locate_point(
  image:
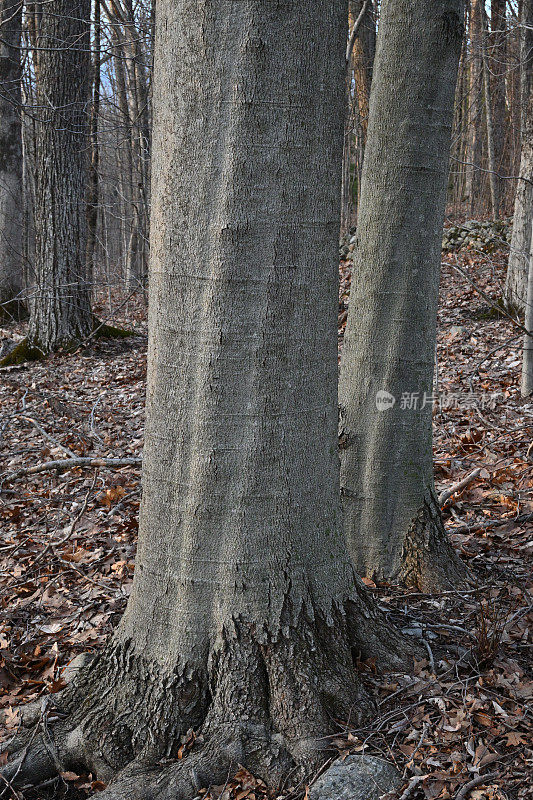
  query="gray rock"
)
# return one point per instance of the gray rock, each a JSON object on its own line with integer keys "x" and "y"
{"x": 358, "y": 777}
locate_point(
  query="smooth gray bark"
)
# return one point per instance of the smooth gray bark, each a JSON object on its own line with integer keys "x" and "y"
{"x": 517, "y": 270}
{"x": 245, "y": 612}
{"x": 392, "y": 519}
{"x": 11, "y": 201}
{"x": 60, "y": 302}
{"x": 491, "y": 157}
{"x": 527, "y": 362}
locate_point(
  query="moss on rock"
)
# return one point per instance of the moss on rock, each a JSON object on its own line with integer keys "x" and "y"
{"x": 21, "y": 353}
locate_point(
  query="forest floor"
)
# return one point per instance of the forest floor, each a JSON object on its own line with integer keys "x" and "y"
{"x": 459, "y": 725}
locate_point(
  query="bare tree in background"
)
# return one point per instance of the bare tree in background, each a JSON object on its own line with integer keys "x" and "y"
{"x": 517, "y": 270}
{"x": 11, "y": 203}
{"x": 60, "y": 300}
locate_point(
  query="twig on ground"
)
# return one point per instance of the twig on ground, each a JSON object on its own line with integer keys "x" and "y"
{"x": 47, "y": 436}
{"x": 467, "y": 788}
{"x": 430, "y": 655}
{"x": 456, "y": 487}
{"x": 495, "y": 523}
{"x": 72, "y": 463}
{"x": 411, "y": 786}
{"x": 52, "y": 545}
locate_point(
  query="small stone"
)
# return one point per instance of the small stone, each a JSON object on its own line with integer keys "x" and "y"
{"x": 456, "y": 331}
{"x": 358, "y": 777}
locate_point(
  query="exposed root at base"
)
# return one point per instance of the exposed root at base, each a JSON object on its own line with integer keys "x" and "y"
{"x": 266, "y": 705}
{"x": 429, "y": 562}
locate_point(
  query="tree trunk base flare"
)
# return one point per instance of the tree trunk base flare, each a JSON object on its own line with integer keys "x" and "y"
{"x": 263, "y": 702}
{"x": 429, "y": 562}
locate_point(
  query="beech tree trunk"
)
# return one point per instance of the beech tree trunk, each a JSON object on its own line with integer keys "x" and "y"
{"x": 245, "y": 611}
{"x": 489, "y": 118}
{"x": 11, "y": 199}
{"x": 517, "y": 270}
{"x": 60, "y": 309}
{"x": 527, "y": 361}
{"x": 392, "y": 520}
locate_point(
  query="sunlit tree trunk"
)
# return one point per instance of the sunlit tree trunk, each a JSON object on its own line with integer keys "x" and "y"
{"x": 475, "y": 112}
{"x": 498, "y": 68}
{"x": 489, "y": 118}
{"x": 92, "y": 191}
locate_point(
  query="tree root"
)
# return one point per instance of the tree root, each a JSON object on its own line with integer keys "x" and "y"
{"x": 429, "y": 562}
{"x": 268, "y": 704}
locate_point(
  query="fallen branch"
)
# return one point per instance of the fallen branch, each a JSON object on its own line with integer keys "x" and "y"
{"x": 47, "y": 435}
{"x": 494, "y": 523}
{"x": 456, "y": 487}
{"x": 72, "y": 463}
{"x": 465, "y": 790}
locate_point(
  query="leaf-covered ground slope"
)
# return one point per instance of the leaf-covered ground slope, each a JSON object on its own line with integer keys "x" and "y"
{"x": 461, "y": 722}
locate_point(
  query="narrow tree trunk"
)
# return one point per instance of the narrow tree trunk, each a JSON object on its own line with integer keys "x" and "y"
{"x": 527, "y": 363}
{"x": 92, "y": 193}
{"x": 245, "y": 607}
{"x": 11, "y": 200}
{"x": 364, "y": 50}
{"x": 475, "y": 112}
{"x": 517, "y": 270}
{"x": 61, "y": 311}
{"x": 498, "y": 68}
{"x": 392, "y": 519}
{"x": 491, "y": 159}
